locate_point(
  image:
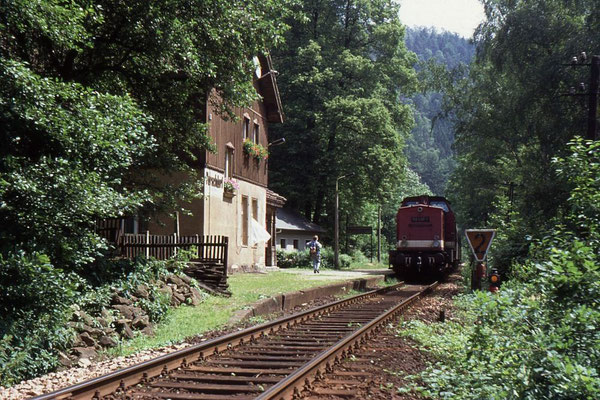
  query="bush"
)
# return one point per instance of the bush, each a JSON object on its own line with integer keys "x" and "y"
{"x": 301, "y": 259}
{"x": 358, "y": 257}
{"x": 38, "y": 299}
{"x": 328, "y": 259}
{"x": 292, "y": 259}
{"x": 533, "y": 340}
{"x": 34, "y": 311}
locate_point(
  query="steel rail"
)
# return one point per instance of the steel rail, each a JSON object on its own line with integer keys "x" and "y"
{"x": 107, "y": 384}
{"x": 290, "y": 387}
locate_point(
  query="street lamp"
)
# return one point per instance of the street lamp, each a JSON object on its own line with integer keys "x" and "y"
{"x": 336, "y": 228}
{"x": 277, "y": 142}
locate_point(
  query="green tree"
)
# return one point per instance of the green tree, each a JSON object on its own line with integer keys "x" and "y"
{"x": 100, "y": 97}
{"x": 97, "y": 99}
{"x": 511, "y": 116}
{"x": 539, "y": 336}
{"x": 345, "y": 71}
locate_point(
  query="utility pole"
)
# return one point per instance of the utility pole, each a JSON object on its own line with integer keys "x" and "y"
{"x": 592, "y": 94}
{"x": 593, "y": 99}
{"x": 379, "y": 234}
{"x": 336, "y": 227}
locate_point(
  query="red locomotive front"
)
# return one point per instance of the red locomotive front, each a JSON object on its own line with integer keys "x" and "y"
{"x": 426, "y": 238}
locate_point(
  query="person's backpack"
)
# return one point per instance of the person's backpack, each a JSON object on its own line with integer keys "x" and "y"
{"x": 313, "y": 248}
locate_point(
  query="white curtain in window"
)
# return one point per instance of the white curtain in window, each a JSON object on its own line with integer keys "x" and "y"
{"x": 258, "y": 233}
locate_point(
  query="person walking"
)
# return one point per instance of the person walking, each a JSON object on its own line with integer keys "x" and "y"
{"x": 314, "y": 248}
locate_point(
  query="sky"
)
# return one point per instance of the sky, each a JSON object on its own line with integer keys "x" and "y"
{"x": 460, "y": 16}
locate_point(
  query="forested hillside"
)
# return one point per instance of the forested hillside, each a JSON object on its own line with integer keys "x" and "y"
{"x": 429, "y": 148}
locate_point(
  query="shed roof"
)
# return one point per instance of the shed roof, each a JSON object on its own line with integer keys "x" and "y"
{"x": 291, "y": 220}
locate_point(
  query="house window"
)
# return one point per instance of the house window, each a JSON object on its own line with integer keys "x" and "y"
{"x": 255, "y": 209}
{"x": 245, "y": 220}
{"x": 228, "y": 162}
{"x": 296, "y": 244}
{"x": 282, "y": 244}
{"x": 132, "y": 225}
{"x": 255, "y": 133}
{"x": 246, "y": 128}
{"x": 255, "y": 212}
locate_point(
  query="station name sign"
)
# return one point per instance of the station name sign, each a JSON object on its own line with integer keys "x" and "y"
{"x": 359, "y": 230}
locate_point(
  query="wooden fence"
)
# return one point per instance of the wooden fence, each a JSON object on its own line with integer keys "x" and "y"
{"x": 208, "y": 265}
{"x": 110, "y": 229}
{"x": 209, "y": 249}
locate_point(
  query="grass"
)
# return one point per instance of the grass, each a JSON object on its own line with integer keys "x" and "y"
{"x": 368, "y": 265}
{"x": 215, "y": 312}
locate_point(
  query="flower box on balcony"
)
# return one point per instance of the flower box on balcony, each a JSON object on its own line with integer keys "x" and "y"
{"x": 255, "y": 150}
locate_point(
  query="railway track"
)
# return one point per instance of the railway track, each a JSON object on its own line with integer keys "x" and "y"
{"x": 275, "y": 360}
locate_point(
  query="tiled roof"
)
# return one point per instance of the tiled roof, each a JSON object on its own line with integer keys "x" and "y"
{"x": 291, "y": 220}
{"x": 274, "y": 199}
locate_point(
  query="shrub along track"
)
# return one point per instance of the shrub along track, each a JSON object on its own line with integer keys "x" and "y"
{"x": 271, "y": 361}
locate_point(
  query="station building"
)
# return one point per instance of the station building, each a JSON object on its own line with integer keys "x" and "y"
{"x": 235, "y": 200}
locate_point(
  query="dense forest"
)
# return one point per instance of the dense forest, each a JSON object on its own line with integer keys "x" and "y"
{"x": 415, "y": 163}
{"x": 343, "y": 71}
{"x": 429, "y": 148}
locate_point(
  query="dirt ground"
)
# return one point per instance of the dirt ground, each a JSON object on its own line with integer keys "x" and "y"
{"x": 388, "y": 360}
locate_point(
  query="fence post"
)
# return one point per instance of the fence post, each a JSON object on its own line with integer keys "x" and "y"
{"x": 147, "y": 244}
{"x": 225, "y": 240}
{"x": 176, "y": 241}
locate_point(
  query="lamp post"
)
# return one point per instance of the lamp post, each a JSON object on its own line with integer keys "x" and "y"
{"x": 336, "y": 229}
{"x": 593, "y": 100}
{"x": 277, "y": 142}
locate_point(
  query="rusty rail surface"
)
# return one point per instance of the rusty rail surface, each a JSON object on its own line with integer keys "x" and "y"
{"x": 104, "y": 385}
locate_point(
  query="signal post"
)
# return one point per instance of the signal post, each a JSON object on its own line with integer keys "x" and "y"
{"x": 479, "y": 241}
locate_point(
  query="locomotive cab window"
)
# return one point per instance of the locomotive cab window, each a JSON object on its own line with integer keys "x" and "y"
{"x": 441, "y": 205}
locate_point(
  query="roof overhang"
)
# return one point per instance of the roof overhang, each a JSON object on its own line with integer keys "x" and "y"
{"x": 269, "y": 90}
{"x": 274, "y": 199}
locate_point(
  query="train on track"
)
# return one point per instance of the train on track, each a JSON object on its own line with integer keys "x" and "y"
{"x": 428, "y": 245}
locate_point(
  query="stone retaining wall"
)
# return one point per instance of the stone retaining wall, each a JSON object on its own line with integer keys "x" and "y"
{"x": 287, "y": 301}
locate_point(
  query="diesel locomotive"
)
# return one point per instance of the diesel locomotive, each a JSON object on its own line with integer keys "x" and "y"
{"x": 427, "y": 241}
